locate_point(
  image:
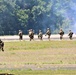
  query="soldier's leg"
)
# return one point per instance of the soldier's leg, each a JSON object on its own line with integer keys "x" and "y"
{"x": 30, "y": 38}
{"x": 38, "y": 36}
{"x": 70, "y": 37}
{"x": 2, "y": 49}
{"x": 49, "y": 37}
{"x": 2, "y": 46}
{"x": 41, "y": 37}
{"x": 60, "y": 37}
{"x": 33, "y": 37}
{"x": 20, "y": 37}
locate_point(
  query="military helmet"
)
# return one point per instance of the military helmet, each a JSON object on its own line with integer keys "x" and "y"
{"x": 31, "y": 30}
{"x": 61, "y": 29}
{"x": 19, "y": 30}
{"x": 48, "y": 28}
{"x": 39, "y": 30}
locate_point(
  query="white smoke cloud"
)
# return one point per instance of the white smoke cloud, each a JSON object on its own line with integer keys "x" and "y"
{"x": 74, "y": 28}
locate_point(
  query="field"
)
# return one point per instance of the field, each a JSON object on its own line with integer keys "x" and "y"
{"x": 39, "y": 57}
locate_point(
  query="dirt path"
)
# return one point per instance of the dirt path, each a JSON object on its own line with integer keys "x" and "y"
{"x": 26, "y": 37}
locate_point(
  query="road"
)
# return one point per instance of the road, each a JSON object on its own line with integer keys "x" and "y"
{"x": 26, "y": 37}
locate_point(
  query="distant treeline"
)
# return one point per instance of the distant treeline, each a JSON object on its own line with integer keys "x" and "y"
{"x": 36, "y": 14}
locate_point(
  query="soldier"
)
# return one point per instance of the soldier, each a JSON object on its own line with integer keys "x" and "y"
{"x": 70, "y": 34}
{"x": 61, "y": 34}
{"x": 40, "y": 35}
{"x": 31, "y": 34}
{"x": 20, "y": 35}
{"x": 48, "y": 32}
{"x": 1, "y": 45}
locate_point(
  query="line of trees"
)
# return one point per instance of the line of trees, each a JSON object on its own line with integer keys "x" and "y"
{"x": 35, "y": 14}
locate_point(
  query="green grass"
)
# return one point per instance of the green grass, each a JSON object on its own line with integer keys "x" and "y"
{"x": 45, "y": 72}
{"x": 38, "y": 53}
{"x": 36, "y": 45}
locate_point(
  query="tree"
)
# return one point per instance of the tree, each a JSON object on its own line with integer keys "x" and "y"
{"x": 36, "y": 14}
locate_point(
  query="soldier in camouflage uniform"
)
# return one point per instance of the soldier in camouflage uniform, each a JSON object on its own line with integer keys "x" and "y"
{"x": 70, "y": 34}
{"x": 48, "y": 32}
{"x": 31, "y": 34}
{"x": 20, "y": 35}
{"x": 61, "y": 34}
{"x": 40, "y": 35}
{"x": 1, "y": 45}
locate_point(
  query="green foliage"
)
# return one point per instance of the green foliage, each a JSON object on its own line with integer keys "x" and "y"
{"x": 35, "y": 14}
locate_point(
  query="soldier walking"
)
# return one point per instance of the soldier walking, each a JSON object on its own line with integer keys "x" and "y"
{"x": 20, "y": 34}
{"x": 1, "y": 45}
{"x": 40, "y": 35}
{"x": 48, "y": 32}
{"x": 61, "y": 34}
{"x": 31, "y": 34}
{"x": 70, "y": 34}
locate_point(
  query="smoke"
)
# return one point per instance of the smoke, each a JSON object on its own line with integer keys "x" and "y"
{"x": 74, "y": 28}
{"x": 71, "y": 15}
{"x": 74, "y": 17}
{"x": 63, "y": 14}
{"x": 68, "y": 10}
{"x": 52, "y": 13}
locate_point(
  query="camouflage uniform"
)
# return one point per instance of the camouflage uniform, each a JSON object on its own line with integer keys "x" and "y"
{"x": 31, "y": 34}
{"x": 2, "y": 45}
{"x": 40, "y": 35}
{"x": 61, "y": 34}
{"x": 48, "y": 32}
{"x": 70, "y": 34}
{"x": 20, "y": 35}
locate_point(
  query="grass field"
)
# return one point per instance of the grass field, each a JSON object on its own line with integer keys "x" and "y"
{"x": 47, "y": 72}
{"x": 39, "y": 57}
